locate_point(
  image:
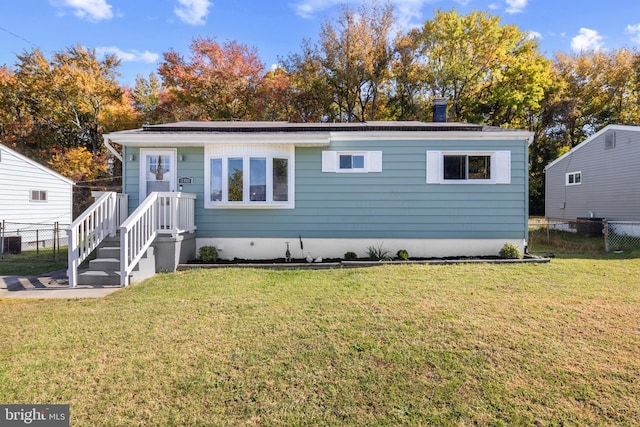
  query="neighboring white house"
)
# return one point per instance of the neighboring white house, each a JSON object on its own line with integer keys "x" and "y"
{"x": 31, "y": 193}
{"x": 599, "y": 178}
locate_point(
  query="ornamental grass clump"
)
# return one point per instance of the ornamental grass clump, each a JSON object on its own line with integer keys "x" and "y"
{"x": 510, "y": 251}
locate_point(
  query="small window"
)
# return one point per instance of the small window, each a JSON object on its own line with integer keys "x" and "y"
{"x": 465, "y": 167}
{"x": 352, "y": 162}
{"x": 459, "y": 167}
{"x": 38, "y": 196}
{"x": 610, "y": 141}
{"x": 574, "y": 178}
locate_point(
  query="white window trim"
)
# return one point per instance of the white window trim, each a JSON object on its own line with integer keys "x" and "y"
{"x": 372, "y": 161}
{"x": 567, "y": 175}
{"x": 247, "y": 151}
{"x": 500, "y": 167}
{"x": 142, "y": 176}
{"x": 46, "y": 196}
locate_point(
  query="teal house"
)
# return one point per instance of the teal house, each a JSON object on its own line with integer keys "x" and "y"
{"x": 252, "y": 189}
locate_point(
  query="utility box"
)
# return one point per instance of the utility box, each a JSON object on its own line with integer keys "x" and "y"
{"x": 11, "y": 244}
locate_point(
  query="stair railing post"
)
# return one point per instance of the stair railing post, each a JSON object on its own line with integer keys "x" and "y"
{"x": 72, "y": 272}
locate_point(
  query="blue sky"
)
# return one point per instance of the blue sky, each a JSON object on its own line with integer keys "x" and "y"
{"x": 139, "y": 31}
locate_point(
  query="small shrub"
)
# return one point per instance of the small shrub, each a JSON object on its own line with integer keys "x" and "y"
{"x": 208, "y": 254}
{"x": 510, "y": 251}
{"x": 403, "y": 254}
{"x": 378, "y": 253}
{"x": 350, "y": 256}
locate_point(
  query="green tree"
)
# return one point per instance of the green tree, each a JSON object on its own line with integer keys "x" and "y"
{"x": 407, "y": 86}
{"x": 311, "y": 97}
{"x": 57, "y": 103}
{"x": 356, "y": 54}
{"x": 146, "y": 97}
{"x": 489, "y": 73}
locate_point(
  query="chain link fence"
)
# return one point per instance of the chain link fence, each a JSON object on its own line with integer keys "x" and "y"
{"x": 622, "y": 235}
{"x": 47, "y": 240}
{"x": 584, "y": 234}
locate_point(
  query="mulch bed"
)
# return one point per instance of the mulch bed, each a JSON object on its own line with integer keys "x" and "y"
{"x": 280, "y": 263}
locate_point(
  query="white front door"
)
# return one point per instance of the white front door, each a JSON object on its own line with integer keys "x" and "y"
{"x": 157, "y": 171}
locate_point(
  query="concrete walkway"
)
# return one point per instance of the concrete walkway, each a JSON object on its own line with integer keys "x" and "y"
{"x": 49, "y": 285}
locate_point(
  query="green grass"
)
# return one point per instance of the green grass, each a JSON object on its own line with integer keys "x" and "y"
{"x": 543, "y": 344}
{"x": 29, "y": 263}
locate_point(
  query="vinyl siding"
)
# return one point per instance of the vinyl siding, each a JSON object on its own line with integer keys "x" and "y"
{"x": 18, "y": 178}
{"x": 396, "y": 203}
{"x": 610, "y": 179}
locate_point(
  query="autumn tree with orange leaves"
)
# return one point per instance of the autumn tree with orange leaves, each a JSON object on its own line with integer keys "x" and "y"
{"x": 218, "y": 81}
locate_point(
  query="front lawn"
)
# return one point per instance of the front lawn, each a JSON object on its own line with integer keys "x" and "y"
{"x": 543, "y": 344}
{"x": 30, "y": 263}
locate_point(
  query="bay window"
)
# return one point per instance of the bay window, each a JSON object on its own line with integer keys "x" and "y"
{"x": 255, "y": 177}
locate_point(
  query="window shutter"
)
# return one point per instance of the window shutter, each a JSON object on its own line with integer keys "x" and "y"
{"x": 503, "y": 166}
{"x": 434, "y": 159}
{"x": 329, "y": 161}
{"x": 375, "y": 161}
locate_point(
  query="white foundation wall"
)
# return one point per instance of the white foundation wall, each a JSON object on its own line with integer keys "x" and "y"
{"x": 261, "y": 248}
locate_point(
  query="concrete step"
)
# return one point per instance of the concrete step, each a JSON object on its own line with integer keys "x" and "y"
{"x": 104, "y": 264}
{"x": 108, "y": 252}
{"x": 99, "y": 278}
{"x": 110, "y": 242}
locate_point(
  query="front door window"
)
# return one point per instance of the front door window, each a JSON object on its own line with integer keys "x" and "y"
{"x": 158, "y": 171}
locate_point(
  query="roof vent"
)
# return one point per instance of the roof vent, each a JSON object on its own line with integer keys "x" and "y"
{"x": 440, "y": 110}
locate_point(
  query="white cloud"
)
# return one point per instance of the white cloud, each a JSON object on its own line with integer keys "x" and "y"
{"x": 192, "y": 12}
{"x": 587, "y": 39}
{"x": 534, "y": 35}
{"x": 131, "y": 56}
{"x": 93, "y": 10}
{"x": 634, "y": 30}
{"x": 515, "y": 6}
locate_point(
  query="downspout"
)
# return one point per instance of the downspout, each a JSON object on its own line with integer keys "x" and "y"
{"x": 527, "y": 195}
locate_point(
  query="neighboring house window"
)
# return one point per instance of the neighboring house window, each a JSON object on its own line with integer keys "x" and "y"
{"x": 610, "y": 140}
{"x": 38, "y": 196}
{"x": 352, "y": 162}
{"x": 574, "y": 178}
{"x": 455, "y": 167}
{"x": 255, "y": 177}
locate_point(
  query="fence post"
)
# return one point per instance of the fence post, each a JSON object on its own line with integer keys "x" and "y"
{"x": 55, "y": 233}
{"x": 2, "y": 240}
{"x": 606, "y": 235}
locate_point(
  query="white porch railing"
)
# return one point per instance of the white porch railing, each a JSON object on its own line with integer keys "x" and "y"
{"x": 159, "y": 213}
{"x": 100, "y": 220}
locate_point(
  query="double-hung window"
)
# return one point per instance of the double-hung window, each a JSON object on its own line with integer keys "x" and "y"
{"x": 574, "y": 178}
{"x": 458, "y": 167}
{"x": 249, "y": 176}
{"x": 38, "y": 196}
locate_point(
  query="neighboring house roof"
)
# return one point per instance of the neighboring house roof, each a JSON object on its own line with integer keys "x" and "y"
{"x": 633, "y": 128}
{"x": 33, "y": 163}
